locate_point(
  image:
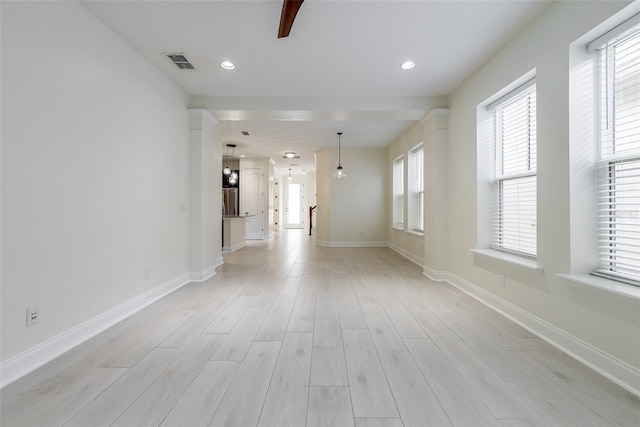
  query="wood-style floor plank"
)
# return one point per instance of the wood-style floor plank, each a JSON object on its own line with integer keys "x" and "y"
{"x": 158, "y": 399}
{"x": 104, "y": 409}
{"x": 379, "y": 422}
{"x": 402, "y": 320}
{"x": 383, "y": 332}
{"x": 596, "y": 402}
{"x": 200, "y": 401}
{"x": 64, "y": 404}
{"x": 193, "y": 327}
{"x": 138, "y": 342}
{"x": 370, "y": 393}
{"x": 494, "y": 392}
{"x": 303, "y": 314}
{"x": 237, "y": 343}
{"x": 328, "y": 365}
{"x": 224, "y": 323}
{"x": 286, "y": 401}
{"x": 275, "y": 324}
{"x": 242, "y": 403}
{"x": 461, "y": 404}
{"x": 552, "y": 405}
{"x": 326, "y": 303}
{"x": 351, "y": 316}
{"x": 417, "y": 404}
{"x": 319, "y": 337}
{"x": 329, "y": 406}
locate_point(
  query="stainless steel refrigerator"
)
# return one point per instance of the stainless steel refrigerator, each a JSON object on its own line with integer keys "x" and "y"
{"x": 230, "y": 205}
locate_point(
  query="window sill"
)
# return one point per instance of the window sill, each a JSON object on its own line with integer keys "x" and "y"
{"x": 398, "y": 227}
{"x": 601, "y": 284}
{"x": 416, "y": 233}
{"x": 526, "y": 264}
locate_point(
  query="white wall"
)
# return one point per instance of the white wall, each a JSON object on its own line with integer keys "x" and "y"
{"x": 95, "y": 157}
{"x": 603, "y": 321}
{"x": 324, "y": 169}
{"x": 410, "y": 245}
{"x": 357, "y": 213}
{"x": 205, "y": 182}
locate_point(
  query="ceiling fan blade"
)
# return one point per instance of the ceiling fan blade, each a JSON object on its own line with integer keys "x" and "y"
{"x": 289, "y": 10}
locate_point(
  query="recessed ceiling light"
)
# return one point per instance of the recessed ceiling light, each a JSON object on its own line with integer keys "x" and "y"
{"x": 227, "y": 65}
{"x": 407, "y": 65}
{"x": 289, "y": 155}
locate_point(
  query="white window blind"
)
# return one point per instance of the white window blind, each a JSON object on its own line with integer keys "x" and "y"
{"x": 398, "y": 193}
{"x": 417, "y": 188}
{"x": 618, "y": 168}
{"x": 515, "y": 204}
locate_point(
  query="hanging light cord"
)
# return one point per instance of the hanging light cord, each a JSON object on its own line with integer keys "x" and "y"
{"x": 339, "y": 149}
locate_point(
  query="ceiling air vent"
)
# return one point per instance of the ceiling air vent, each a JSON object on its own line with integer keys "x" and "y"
{"x": 180, "y": 60}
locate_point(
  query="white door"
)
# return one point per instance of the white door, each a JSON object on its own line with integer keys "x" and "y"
{"x": 294, "y": 212}
{"x": 253, "y": 203}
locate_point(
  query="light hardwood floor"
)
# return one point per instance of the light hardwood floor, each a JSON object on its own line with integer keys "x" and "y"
{"x": 291, "y": 334}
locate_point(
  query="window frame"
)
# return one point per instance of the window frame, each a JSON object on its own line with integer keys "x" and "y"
{"x": 613, "y": 245}
{"x": 527, "y": 92}
{"x": 398, "y": 196}
{"x": 415, "y": 184}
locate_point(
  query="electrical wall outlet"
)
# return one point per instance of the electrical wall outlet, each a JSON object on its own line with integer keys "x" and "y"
{"x": 147, "y": 274}
{"x": 503, "y": 280}
{"x": 33, "y": 315}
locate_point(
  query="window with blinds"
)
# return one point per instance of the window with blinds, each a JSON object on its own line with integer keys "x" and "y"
{"x": 514, "y": 216}
{"x": 416, "y": 179}
{"x": 618, "y": 167}
{"x": 398, "y": 193}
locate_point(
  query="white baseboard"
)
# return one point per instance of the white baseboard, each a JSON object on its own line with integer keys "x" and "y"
{"x": 207, "y": 273}
{"x": 403, "y": 252}
{"x": 619, "y": 372}
{"x": 235, "y": 247}
{"x": 30, "y": 360}
{"x": 435, "y": 275}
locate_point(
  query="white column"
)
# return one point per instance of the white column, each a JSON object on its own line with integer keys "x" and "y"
{"x": 205, "y": 213}
{"x": 435, "y": 189}
{"x": 324, "y": 170}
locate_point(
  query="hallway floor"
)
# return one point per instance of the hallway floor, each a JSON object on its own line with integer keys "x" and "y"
{"x": 291, "y": 334}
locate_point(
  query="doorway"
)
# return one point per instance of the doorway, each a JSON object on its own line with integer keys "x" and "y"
{"x": 253, "y": 203}
{"x": 294, "y": 206}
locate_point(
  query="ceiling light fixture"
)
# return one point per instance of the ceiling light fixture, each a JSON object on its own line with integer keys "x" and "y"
{"x": 289, "y": 174}
{"x": 227, "y": 169}
{"x": 227, "y": 65}
{"x": 290, "y": 155}
{"x": 339, "y": 173}
{"x": 407, "y": 65}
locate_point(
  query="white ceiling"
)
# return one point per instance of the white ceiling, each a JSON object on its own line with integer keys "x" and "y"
{"x": 339, "y": 70}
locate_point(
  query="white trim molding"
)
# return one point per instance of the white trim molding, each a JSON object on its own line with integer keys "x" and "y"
{"x": 435, "y": 275}
{"x": 207, "y": 273}
{"x": 626, "y": 376}
{"x": 30, "y": 360}
{"x": 406, "y": 254}
{"x": 237, "y": 246}
{"x": 621, "y": 373}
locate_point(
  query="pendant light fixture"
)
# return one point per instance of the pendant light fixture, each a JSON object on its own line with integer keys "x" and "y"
{"x": 227, "y": 169}
{"x": 339, "y": 173}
